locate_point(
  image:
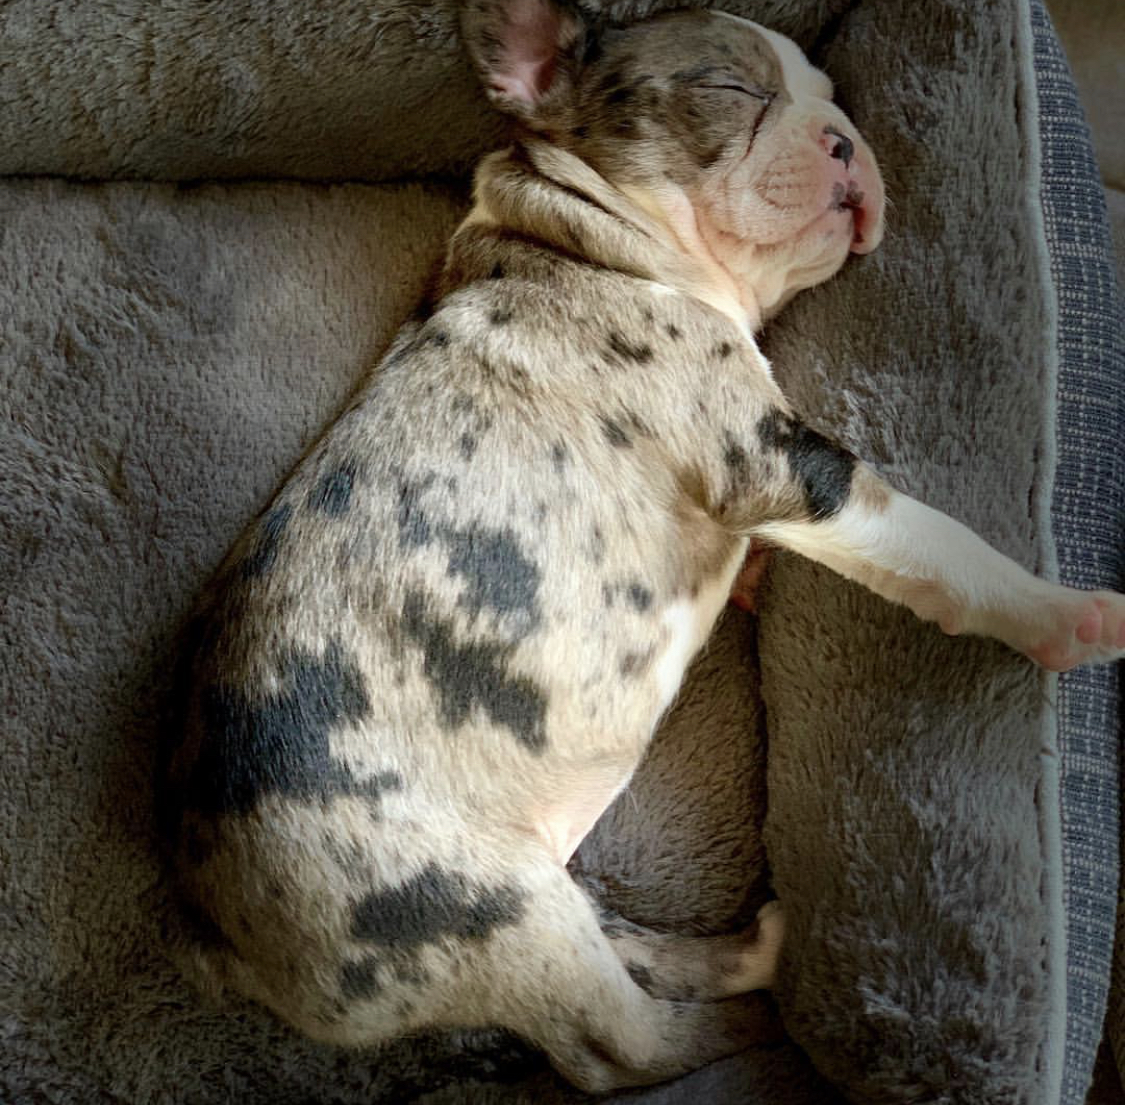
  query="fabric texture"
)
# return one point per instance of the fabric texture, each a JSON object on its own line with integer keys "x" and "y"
{"x": 910, "y": 764}
{"x": 185, "y": 89}
{"x": 1088, "y": 513}
{"x": 168, "y": 351}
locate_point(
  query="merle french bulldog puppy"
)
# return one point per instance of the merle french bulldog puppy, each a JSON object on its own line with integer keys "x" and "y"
{"x": 440, "y": 653}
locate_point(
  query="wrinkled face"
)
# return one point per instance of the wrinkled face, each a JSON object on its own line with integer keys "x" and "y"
{"x": 711, "y": 118}
{"x": 734, "y": 115}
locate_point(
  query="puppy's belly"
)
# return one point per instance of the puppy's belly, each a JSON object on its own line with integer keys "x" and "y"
{"x": 587, "y": 792}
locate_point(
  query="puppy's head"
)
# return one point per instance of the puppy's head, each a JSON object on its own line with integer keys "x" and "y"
{"x": 719, "y": 127}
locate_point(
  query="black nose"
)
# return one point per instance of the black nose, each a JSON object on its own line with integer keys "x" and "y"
{"x": 842, "y": 149}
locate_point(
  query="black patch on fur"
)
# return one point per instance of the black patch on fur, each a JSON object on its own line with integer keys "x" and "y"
{"x": 499, "y": 316}
{"x": 271, "y": 528}
{"x": 637, "y": 424}
{"x": 498, "y": 576}
{"x": 639, "y": 596}
{"x": 359, "y": 978}
{"x": 278, "y": 743}
{"x": 822, "y": 467}
{"x": 705, "y": 158}
{"x": 470, "y": 674}
{"x": 434, "y": 905}
{"x": 641, "y": 353}
{"x": 673, "y": 331}
{"x": 597, "y": 544}
{"x": 374, "y": 785}
{"x": 640, "y": 974}
{"x": 724, "y": 349}
{"x": 614, "y": 434}
{"x": 736, "y": 460}
{"x": 559, "y": 456}
{"x": 470, "y": 438}
{"x": 431, "y": 333}
{"x": 634, "y": 664}
{"x": 414, "y": 528}
{"x": 497, "y": 272}
{"x": 333, "y": 491}
{"x": 581, "y": 132}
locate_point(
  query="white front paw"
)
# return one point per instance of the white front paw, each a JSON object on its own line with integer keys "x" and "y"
{"x": 1088, "y": 628}
{"x": 1057, "y": 627}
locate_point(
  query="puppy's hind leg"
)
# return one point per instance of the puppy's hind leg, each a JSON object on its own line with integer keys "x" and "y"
{"x": 701, "y": 968}
{"x": 556, "y": 980}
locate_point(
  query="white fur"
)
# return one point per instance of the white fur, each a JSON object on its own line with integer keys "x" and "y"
{"x": 688, "y": 622}
{"x": 912, "y": 554}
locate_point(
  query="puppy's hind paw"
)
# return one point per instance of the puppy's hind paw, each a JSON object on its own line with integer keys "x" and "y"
{"x": 754, "y": 965}
{"x": 771, "y": 937}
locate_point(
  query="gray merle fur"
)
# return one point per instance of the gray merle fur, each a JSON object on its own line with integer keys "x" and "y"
{"x": 474, "y": 674}
{"x": 498, "y": 576}
{"x": 332, "y": 493}
{"x": 823, "y": 468}
{"x": 433, "y": 905}
{"x": 270, "y": 530}
{"x": 278, "y": 744}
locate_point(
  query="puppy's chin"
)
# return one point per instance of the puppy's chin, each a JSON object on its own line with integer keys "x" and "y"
{"x": 826, "y": 242}
{"x": 774, "y": 274}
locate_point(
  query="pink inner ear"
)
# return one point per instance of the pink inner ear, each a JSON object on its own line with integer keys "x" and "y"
{"x": 525, "y": 80}
{"x": 533, "y": 35}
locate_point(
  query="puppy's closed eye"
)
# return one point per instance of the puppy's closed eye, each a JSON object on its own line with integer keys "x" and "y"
{"x": 746, "y": 90}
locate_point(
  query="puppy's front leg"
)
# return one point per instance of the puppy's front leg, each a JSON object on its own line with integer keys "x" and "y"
{"x": 840, "y": 513}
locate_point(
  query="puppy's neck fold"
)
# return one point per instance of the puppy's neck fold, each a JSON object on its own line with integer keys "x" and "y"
{"x": 533, "y": 190}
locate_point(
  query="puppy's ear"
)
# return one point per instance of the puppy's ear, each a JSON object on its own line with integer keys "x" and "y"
{"x": 526, "y": 52}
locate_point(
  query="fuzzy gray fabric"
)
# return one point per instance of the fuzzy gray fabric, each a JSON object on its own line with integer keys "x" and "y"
{"x": 185, "y": 89}
{"x": 166, "y": 354}
{"x": 908, "y": 796}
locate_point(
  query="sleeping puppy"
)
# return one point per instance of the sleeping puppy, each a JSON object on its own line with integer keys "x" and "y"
{"x": 440, "y": 652}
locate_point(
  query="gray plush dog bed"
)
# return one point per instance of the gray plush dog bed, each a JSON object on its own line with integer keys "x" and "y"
{"x": 941, "y": 819}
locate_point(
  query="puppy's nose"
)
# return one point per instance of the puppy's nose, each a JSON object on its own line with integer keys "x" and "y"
{"x": 838, "y": 145}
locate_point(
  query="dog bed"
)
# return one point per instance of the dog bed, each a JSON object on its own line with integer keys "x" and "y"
{"x": 213, "y": 219}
